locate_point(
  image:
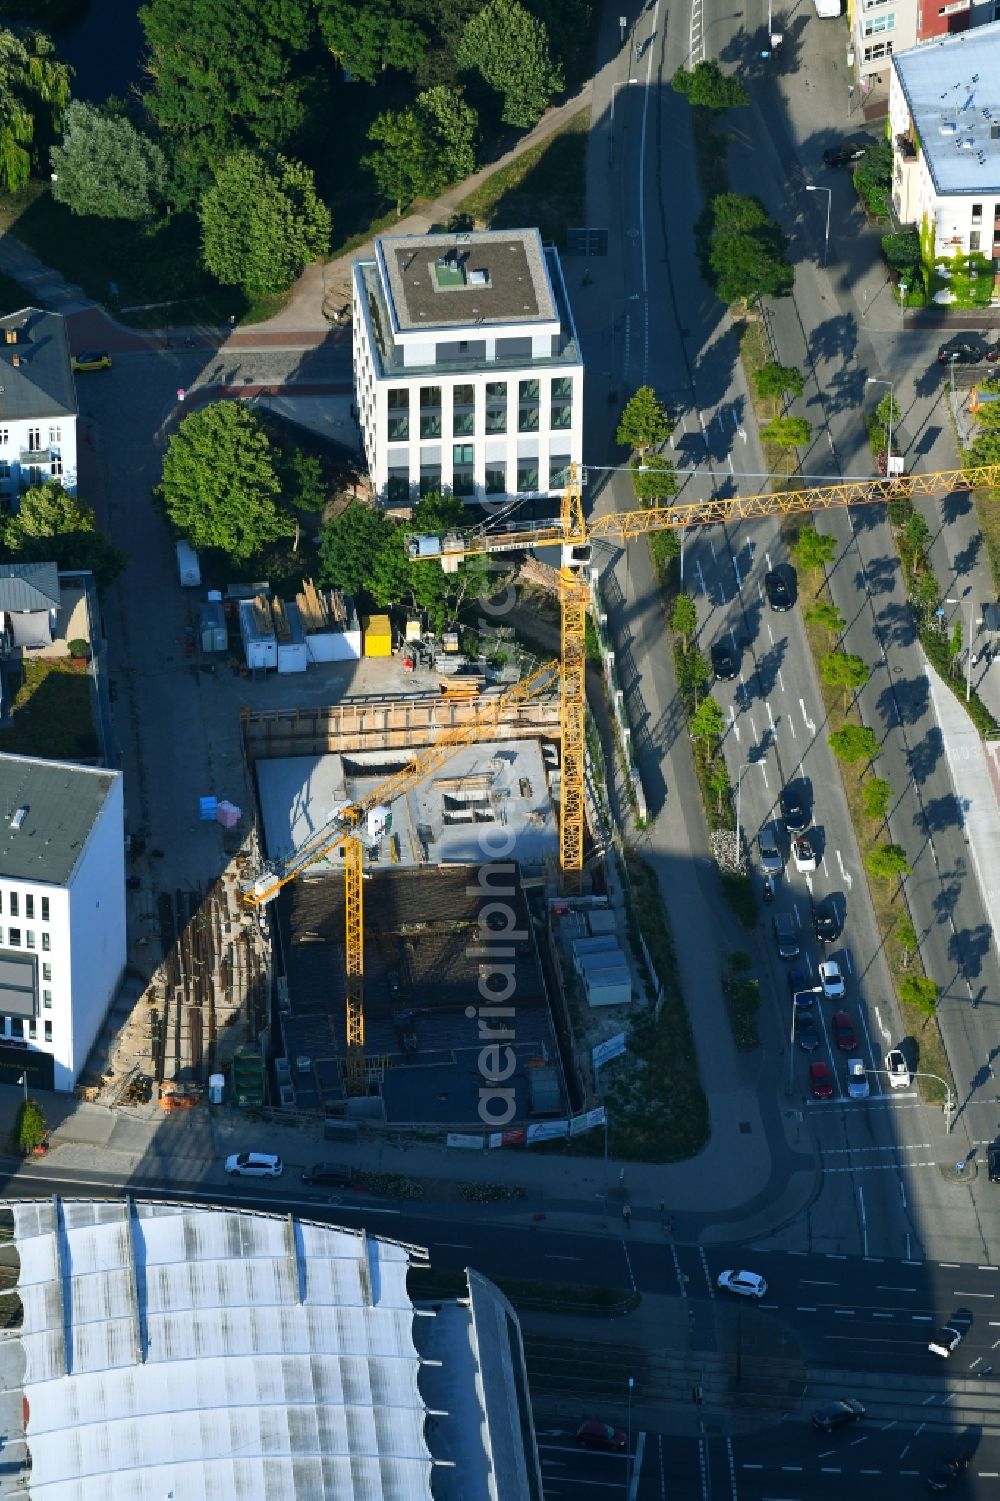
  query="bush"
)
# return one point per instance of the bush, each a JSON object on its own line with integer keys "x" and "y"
{"x": 742, "y": 1003}
{"x": 78, "y": 647}
{"x": 873, "y": 179}
{"x": 30, "y": 1129}
{"x": 938, "y": 649}
{"x": 739, "y": 893}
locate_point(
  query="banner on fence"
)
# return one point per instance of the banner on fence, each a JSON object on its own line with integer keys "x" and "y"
{"x": 587, "y": 1121}
{"x": 548, "y": 1130}
{"x": 613, "y": 1047}
{"x": 466, "y": 1141}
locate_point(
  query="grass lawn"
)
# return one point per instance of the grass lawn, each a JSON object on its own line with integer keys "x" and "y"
{"x": 988, "y": 512}
{"x": 545, "y": 186}
{"x": 52, "y": 712}
{"x": 781, "y": 463}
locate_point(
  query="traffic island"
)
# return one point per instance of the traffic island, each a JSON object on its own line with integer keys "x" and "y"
{"x": 962, "y": 1172}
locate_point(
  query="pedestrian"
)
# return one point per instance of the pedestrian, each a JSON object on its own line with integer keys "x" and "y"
{"x": 232, "y": 320}
{"x": 626, "y": 1214}
{"x": 180, "y": 393}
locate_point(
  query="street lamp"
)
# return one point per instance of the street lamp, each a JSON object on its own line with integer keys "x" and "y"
{"x": 873, "y": 380}
{"x": 968, "y": 647}
{"x": 24, "y": 1080}
{"x": 810, "y": 990}
{"x": 812, "y": 187}
{"x": 628, "y": 1445}
{"x": 949, "y": 1108}
{"x": 739, "y": 788}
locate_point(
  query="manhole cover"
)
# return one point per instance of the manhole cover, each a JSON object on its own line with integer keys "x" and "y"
{"x": 745, "y": 1128}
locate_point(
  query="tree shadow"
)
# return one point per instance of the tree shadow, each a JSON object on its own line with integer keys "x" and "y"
{"x": 942, "y": 813}
{"x": 969, "y": 947}
{"x": 955, "y": 504}
{"x": 966, "y": 560}
{"x": 896, "y": 625}
{"x": 925, "y": 442}
{"x": 946, "y": 899}
{"x": 769, "y": 665}
{"x": 909, "y": 698}
{"x": 881, "y": 575}
{"x": 923, "y": 757}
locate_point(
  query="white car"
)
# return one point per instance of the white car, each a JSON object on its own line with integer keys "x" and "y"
{"x": 746, "y": 1284}
{"x": 857, "y": 1079}
{"x": 832, "y": 980}
{"x": 945, "y": 1340}
{"x": 898, "y": 1069}
{"x": 255, "y": 1165}
{"x": 804, "y": 856}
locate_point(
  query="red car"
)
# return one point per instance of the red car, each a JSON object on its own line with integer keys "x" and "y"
{"x": 843, "y": 1031}
{"x": 593, "y": 1435}
{"x": 820, "y": 1082}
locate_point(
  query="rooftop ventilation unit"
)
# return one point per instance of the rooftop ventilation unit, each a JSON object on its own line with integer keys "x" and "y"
{"x": 17, "y": 818}
{"x": 948, "y": 128}
{"x": 480, "y": 277}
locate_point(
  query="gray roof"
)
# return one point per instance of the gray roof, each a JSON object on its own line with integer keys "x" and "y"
{"x": 481, "y": 280}
{"x": 29, "y": 586}
{"x": 63, "y": 802}
{"x": 952, "y": 88}
{"x": 41, "y": 384}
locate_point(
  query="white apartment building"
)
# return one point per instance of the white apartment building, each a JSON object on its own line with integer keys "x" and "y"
{"x": 62, "y": 914}
{"x": 944, "y": 114}
{"x": 467, "y": 368}
{"x": 38, "y": 407}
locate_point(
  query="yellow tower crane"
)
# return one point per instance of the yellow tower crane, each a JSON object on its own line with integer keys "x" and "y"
{"x": 575, "y": 536}
{"x": 349, "y": 827}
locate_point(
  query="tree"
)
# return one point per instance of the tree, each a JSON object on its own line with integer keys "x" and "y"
{"x": 787, "y": 432}
{"x": 887, "y": 862}
{"x": 814, "y": 549}
{"x": 889, "y": 411}
{"x": 30, "y": 1128}
{"x": 302, "y": 484}
{"x": 825, "y": 614}
{"x": 260, "y": 225}
{"x": 653, "y": 478}
{"x": 876, "y": 795}
{"x": 53, "y": 526}
{"x": 644, "y": 422}
{"x": 220, "y": 486}
{"x": 424, "y": 148}
{"x": 684, "y": 619}
{"x": 921, "y": 993}
{"x": 906, "y": 935}
{"x": 743, "y": 251}
{"x": 664, "y": 547}
{"x": 509, "y": 48}
{"x": 915, "y": 534}
{"x": 777, "y": 380}
{"x": 853, "y": 743}
{"x": 985, "y": 446}
{"x": 706, "y": 85}
{"x": 955, "y": 644}
{"x": 717, "y": 780}
{"x": 707, "y": 722}
{"x": 370, "y": 37}
{"x": 34, "y": 91}
{"x": 839, "y": 669}
{"x": 694, "y": 673}
{"x": 349, "y": 543}
{"x": 105, "y": 167}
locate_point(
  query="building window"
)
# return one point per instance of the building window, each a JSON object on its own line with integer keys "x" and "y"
{"x": 30, "y": 938}
{"x": 430, "y": 411}
{"x": 496, "y": 479}
{"x": 32, "y": 1028}
{"x": 46, "y": 971}
{"x": 878, "y": 50}
{"x": 34, "y": 439}
{"x": 47, "y": 999}
{"x": 974, "y": 238}
{"x": 463, "y": 411}
{"x": 48, "y": 1031}
{"x": 4, "y": 469}
{"x": 16, "y": 1026}
{"x": 13, "y": 938}
{"x": 13, "y": 904}
{"x": 399, "y": 414}
{"x": 562, "y": 404}
{"x": 45, "y": 909}
{"x": 880, "y": 23}
{"x": 45, "y": 942}
{"x": 527, "y": 476}
{"x": 496, "y": 406}
{"x": 558, "y": 473}
{"x": 977, "y": 213}
{"x": 462, "y": 482}
{"x": 29, "y": 906}
{"x": 4, "y": 436}
{"x": 430, "y": 479}
{"x": 398, "y": 486}
{"x": 1, "y": 901}
{"x": 55, "y": 435}
{"x": 57, "y": 464}
{"x": 527, "y": 406}
{"x": 461, "y": 454}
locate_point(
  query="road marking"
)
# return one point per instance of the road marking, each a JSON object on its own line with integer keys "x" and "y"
{"x": 791, "y": 726}
{"x": 549, "y": 1255}
{"x": 883, "y": 1315}
{"x": 988, "y": 1269}
{"x": 770, "y": 716}
{"x": 809, "y": 724}
{"x": 847, "y": 956}
{"x": 781, "y": 680}
{"x": 770, "y": 632}
{"x": 753, "y": 728}
{"x": 972, "y": 1295}
{"x": 921, "y": 1318}
{"x": 458, "y": 1245}
{"x": 904, "y": 1451}
{"x": 845, "y": 875}
{"x": 732, "y": 723}
{"x": 708, "y": 1275}
{"x": 953, "y": 1265}
{"x": 883, "y": 1288}
{"x": 916, "y": 1146}
{"x": 813, "y": 1282}
{"x": 874, "y": 1167}
{"x": 806, "y": 1308}
{"x": 701, "y": 577}
{"x": 847, "y": 1312}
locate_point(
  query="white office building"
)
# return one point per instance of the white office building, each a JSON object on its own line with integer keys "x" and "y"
{"x": 944, "y": 112}
{"x": 467, "y": 367}
{"x": 62, "y": 914}
{"x": 38, "y": 407}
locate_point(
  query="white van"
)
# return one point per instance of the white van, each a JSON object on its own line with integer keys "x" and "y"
{"x": 255, "y": 1165}
{"x": 188, "y": 566}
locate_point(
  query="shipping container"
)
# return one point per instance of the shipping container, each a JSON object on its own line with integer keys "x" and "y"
{"x": 257, "y": 631}
{"x": 377, "y": 635}
{"x": 292, "y": 653}
{"x": 214, "y": 635}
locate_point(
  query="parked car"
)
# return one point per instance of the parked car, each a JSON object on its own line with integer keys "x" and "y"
{"x": 826, "y": 921}
{"x": 255, "y": 1165}
{"x": 772, "y": 861}
{"x": 786, "y": 931}
{"x": 820, "y": 1081}
{"x": 837, "y": 1414}
{"x": 832, "y": 980}
{"x": 779, "y": 586}
{"x": 804, "y": 855}
{"x": 594, "y": 1435}
{"x": 745, "y": 1284}
{"x": 806, "y": 1031}
{"x": 898, "y": 1069}
{"x": 948, "y": 1470}
{"x": 801, "y": 992}
{"x": 94, "y": 359}
{"x": 328, "y": 1175}
{"x": 993, "y": 1161}
{"x": 845, "y": 155}
{"x": 960, "y": 352}
{"x": 843, "y": 1031}
{"x": 725, "y": 661}
{"x": 857, "y": 1079}
{"x": 945, "y": 1341}
{"x": 795, "y": 810}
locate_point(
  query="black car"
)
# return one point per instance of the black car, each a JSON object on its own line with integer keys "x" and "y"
{"x": 843, "y": 156}
{"x": 806, "y": 1032}
{"x": 328, "y": 1175}
{"x": 837, "y": 1414}
{"x": 993, "y": 1161}
{"x": 943, "y": 1475}
{"x": 826, "y": 923}
{"x": 960, "y": 352}
{"x": 725, "y": 661}
{"x": 779, "y": 589}
{"x": 795, "y": 811}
